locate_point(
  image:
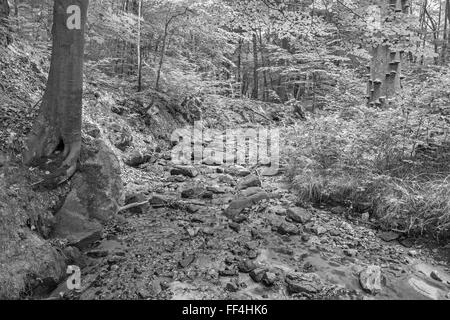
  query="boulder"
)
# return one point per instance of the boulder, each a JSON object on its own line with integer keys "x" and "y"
{"x": 303, "y": 283}
{"x": 299, "y": 215}
{"x": 238, "y": 205}
{"x": 250, "y": 181}
{"x": 137, "y": 158}
{"x": 370, "y": 279}
{"x": 97, "y": 190}
{"x": 186, "y": 171}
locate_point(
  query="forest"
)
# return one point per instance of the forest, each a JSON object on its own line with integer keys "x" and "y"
{"x": 225, "y": 149}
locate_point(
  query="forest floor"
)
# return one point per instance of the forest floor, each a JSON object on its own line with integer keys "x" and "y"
{"x": 182, "y": 246}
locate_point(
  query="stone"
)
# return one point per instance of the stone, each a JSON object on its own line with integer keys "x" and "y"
{"x": 97, "y": 190}
{"x": 278, "y": 210}
{"x": 287, "y": 228}
{"x": 413, "y": 253}
{"x": 138, "y": 198}
{"x": 338, "y": 210}
{"x": 251, "y": 191}
{"x": 232, "y": 287}
{"x": 238, "y": 205}
{"x": 158, "y": 201}
{"x": 370, "y": 279}
{"x": 235, "y": 227}
{"x": 318, "y": 230}
{"x": 250, "y": 181}
{"x": 138, "y": 158}
{"x": 351, "y": 252}
{"x": 269, "y": 279}
{"x": 257, "y": 274}
{"x": 228, "y": 272}
{"x": 299, "y": 215}
{"x": 246, "y": 266}
{"x": 436, "y": 276}
{"x": 73, "y": 256}
{"x": 120, "y": 137}
{"x": 192, "y": 193}
{"x": 303, "y": 283}
{"x": 237, "y": 171}
{"x": 424, "y": 288}
{"x": 388, "y": 236}
{"x": 186, "y": 171}
{"x": 186, "y": 261}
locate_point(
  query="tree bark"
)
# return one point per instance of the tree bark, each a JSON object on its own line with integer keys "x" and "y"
{"x": 255, "y": 92}
{"x": 384, "y": 71}
{"x": 5, "y": 29}
{"x": 139, "y": 55}
{"x": 59, "y": 119}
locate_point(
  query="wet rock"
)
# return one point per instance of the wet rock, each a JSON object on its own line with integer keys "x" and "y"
{"x": 186, "y": 171}
{"x": 287, "y": 228}
{"x": 299, "y": 215}
{"x": 120, "y": 137}
{"x": 370, "y": 279}
{"x": 436, "y": 276}
{"x": 269, "y": 279}
{"x": 246, "y": 266}
{"x": 238, "y": 205}
{"x": 250, "y": 181}
{"x": 303, "y": 283}
{"x": 257, "y": 274}
{"x": 424, "y": 288}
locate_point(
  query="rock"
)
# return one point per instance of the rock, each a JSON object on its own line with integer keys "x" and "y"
{"x": 388, "y": 236}
{"x": 137, "y": 158}
{"x": 338, "y": 210}
{"x": 252, "y": 254}
{"x": 318, "y": 230}
{"x": 251, "y": 191}
{"x": 413, "y": 253}
{"x": 270, "y": 172}
{"x": 74, "y": 256}
{"x": 436, "y": 276}
{"x": 97, "y": 190}
{"x": 269, "y": 279}
{"x": 257, "y": 274}
{"x": 232, "y": 287}
{"x": 250, "y": 181}
{"x": 299, "y": 215}
{"x": 238, "y": 205}
{"x": 424, "y": 289}
{"x": 158, "y": 201}
{"x": 303, "y": 283}
{"x": 192, "y": 193}
{"x": 362, "y": 207}
{"x": 351, "y": 252}
{"x": 370, "y": 279}
{"x": 138, "y": 198}
{"x": 365, "y": 216}
{"x": 237, "y": 171}
{"x": 228, "y": 272}
{"x": 186, "y": 171}
{"x": 216, "y": 189}
{"x": 91, "y": 129}
{"x": 246, "y": 266}
{"x": 29, "y": 265}
{"x": 235, "y": 227}
{"x": 120, "y": 137}
{"x": 278, "y": 210}
{"x": 186, "y": 261}
{"x": 289, "y": 229}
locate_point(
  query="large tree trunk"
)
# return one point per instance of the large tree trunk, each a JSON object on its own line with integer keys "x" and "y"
{"x": 59, "y": 119}
{"x": 255, "y": 92}
{"x": 384, "y": 71}
{"x": 5, "y": 31}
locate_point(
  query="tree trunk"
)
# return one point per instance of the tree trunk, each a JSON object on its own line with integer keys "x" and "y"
{"x": 384, "y": 71}
{"x": 59, "y": 119}
{"x": 255, "y": 92}
{"x": 139, "y": 55}
{"x": 5, "y": 30}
